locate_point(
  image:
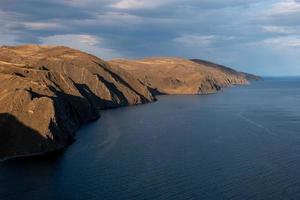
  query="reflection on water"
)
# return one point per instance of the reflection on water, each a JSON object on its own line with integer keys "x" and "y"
{"x": 242, "y": 143}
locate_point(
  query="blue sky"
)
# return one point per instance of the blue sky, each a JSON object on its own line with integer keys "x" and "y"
{"x": 258, "y": 36}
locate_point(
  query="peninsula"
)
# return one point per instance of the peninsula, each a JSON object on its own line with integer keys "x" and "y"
{"x": 47, "y": 92}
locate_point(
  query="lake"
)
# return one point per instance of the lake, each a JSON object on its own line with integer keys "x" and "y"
{"x": 241, "y": 143}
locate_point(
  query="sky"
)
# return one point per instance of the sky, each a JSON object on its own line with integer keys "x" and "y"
{"x": 256, "y": 36}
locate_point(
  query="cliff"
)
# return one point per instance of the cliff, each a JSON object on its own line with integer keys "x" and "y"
{"x": 47, "y": 92}
{"x": 180, "y": 76}
{"x": 52, "y": 91}
{"x": 227, "y": 70}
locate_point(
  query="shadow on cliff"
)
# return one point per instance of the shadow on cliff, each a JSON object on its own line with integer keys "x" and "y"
{"x": 17, "y": 139}
{"x": 97, "y": 102}
{"x": 115, "y": 92}
{"x": 155, "y": 92}
{"x": 121, "y": 80}
{"x": 19, "y": 142}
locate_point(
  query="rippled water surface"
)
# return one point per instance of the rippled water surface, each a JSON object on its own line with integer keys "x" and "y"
{"x": 242, "y": 143}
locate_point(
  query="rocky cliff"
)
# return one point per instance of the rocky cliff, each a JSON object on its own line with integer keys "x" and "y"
{"x": 53, "y": 90}
{"x": 47, "y": 92}
{"x": 180, "y": 76}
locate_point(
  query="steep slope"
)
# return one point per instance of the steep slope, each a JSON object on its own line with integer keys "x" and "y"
{"x": 226, "y": 70}
{"x": 180, "y": 76}
{"x": 53, "y": 90}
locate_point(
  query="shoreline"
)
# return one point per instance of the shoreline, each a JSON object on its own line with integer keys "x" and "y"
{"x": 62, "y": 148}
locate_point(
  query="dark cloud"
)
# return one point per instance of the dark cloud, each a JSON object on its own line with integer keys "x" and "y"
{"x": 234, "y": 32}
{"x": 44, "y": 9}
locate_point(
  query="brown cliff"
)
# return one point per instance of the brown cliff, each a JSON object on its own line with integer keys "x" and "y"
{"x": 181, "y": 76}
{"x": 47, "y": 92}
{"x": 52, "y": 91}
{"x": 227, "y": 70}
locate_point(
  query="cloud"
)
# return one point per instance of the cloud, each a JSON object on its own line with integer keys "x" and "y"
{"x": 120, "y": 18}
{"x": 84, "y": 42}
{"x": 219, "y": 30}
{"x": 82, "y": 39}
{"x": 195, "y": 40}
{"x": 199, "y": 4}
{"x": 281, "y": 13}
{"x": 42, "y": 25}
{"x": 287, "y": 41}
{"x": 284, "y": 8}
{"x": 137, "y": 4}
{"x": 277, "y": 29}
{"x": 215, "y": 41}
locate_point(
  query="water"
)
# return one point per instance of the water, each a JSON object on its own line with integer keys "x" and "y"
{"x": 242, "y": 143}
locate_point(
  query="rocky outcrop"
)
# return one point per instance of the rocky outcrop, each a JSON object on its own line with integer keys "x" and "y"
{"x": 180, "y": 76}
{"x": 53, "y": 90}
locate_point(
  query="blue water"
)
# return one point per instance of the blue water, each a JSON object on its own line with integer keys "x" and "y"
{"x": 241, "y": 143}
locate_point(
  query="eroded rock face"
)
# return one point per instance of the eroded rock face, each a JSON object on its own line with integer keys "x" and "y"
{"x": 46, "y": 93}
{"x": 181, "y": 76}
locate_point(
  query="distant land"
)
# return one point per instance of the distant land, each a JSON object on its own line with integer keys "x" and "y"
{"x": 47, "y": 92}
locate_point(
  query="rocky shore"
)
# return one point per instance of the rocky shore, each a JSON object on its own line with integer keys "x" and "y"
{"x": 47, "y": 92}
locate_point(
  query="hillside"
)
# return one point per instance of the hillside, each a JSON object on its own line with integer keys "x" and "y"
{"x": 47, "y": 92}
{"x": 180, "y": 76}
{"x": 226, "y": 70}
{"x": 52, "y": 91}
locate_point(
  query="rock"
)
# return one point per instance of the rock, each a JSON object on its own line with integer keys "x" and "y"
{"x": 180, "y": 76}
{"x": 46, "y": 93}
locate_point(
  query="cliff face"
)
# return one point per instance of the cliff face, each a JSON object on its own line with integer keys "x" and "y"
{"x": 51, "y": 91}
{"x": 180, "y": 76}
